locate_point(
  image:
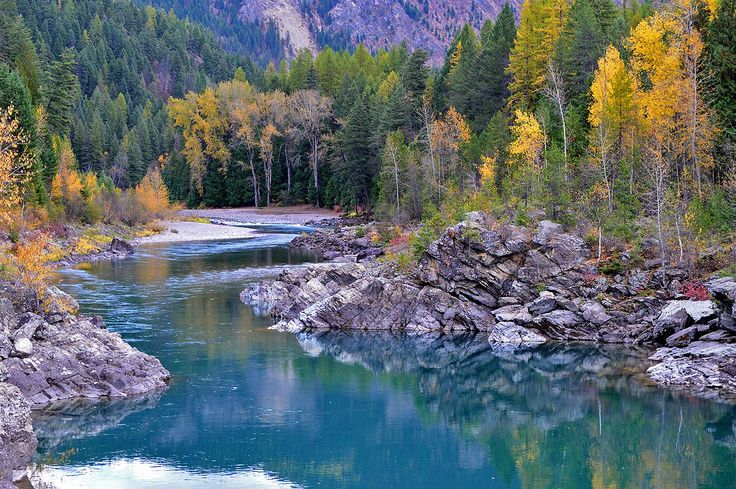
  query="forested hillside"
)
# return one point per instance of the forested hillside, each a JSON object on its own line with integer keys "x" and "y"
{"x": 615, "y": 118}
{"x": 101, "y": 71}
{"x": 260, "y": 38}
{"x": 271, "y": 30}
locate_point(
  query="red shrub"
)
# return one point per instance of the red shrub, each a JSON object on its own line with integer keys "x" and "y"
{"x": 694, "y": 290}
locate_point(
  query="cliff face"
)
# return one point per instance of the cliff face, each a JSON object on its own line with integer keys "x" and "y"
{"x": 426, "y": 24}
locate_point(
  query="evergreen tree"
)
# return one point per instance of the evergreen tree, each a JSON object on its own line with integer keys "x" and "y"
{"x": 490, "y": 80}
{"x": 581, "y": 43}
{"x": 721, "y": 65}
{"x": 62, "y": 92}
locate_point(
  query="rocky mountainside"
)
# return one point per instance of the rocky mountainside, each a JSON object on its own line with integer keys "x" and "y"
{"x": 426, "y": 24}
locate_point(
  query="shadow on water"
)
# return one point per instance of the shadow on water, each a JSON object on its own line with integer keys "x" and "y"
{"x": 250, "y": 407}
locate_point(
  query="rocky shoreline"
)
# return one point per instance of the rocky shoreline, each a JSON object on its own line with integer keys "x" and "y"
{"x": 51, "y": 354}
{"x": 117, "y": 248}
{"x": 518, "y": 286}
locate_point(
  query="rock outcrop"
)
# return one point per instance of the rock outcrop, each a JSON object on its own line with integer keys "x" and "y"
{"x": 17, "y": 440}
{"x": 53, "y": 355}
{"x": 344, "y": 244}
{"x": 518, "y": 286}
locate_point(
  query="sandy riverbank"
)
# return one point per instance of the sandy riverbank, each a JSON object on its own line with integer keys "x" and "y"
{"x": 184, "y": 231}
{"x": 272, "y": 215}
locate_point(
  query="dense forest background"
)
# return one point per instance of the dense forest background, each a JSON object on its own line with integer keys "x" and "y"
{"x": 619, "y": 119}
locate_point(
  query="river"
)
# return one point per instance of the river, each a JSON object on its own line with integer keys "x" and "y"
{"x": 250, "y": 407}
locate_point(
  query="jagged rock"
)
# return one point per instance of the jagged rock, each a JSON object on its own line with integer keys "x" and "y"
{"x": 17, "y": 441}
{"x": 705, "y": 368}
{"x": 565, "y": 325}
{"x": 542, "y": 305}
{"x": 697, "y": 310}
{"x": 509, "y": 332}
{"x": 59, "y": 302}
{"x": 72, "y": 357}
{"x": 5, "y": 345}
{"x": 723, "y": 289}
{"x": 514, "y": 313}
{"x": 595, "y": 313}
{"x": 27, "y": 325}
{"x": 7, "y": 314}
{"x": 719, "y": 336}
{"x": 368, "y": 254}
{"x": 683, "y": 337}
{"x": 727, "y": 321}
{"x": 669, "y": 323}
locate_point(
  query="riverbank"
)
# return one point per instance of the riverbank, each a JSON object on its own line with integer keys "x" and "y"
{"x": 220, "y": 224}
{"x": 520, "y": 286}
{"x": 187, "y": 231}
{"x": 294, "y": 215}
{"x": 48, "y": 354}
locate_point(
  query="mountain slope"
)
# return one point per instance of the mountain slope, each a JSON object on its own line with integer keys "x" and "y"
{"x": 312, "y": 24}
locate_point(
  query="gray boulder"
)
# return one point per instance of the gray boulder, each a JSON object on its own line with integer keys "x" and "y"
{"x": 509, "y": 332}
{"x": 683, "y": 337}
{"x": 669, "y": 323}
{"x": 724, "y": 289}
{"x": 23, "y": 347}
{"x": 727, "y": 321}
{"x": 565, "y": 325}
{"x": 542, "y": 305}
{"x": 699, "y": 311}
{"x": 595, "y": 313}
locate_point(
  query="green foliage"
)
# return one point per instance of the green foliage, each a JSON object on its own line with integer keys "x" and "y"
{"x": 611, "y": 267}
{"x": 713, "y": 214}
{"x": 721, "y": 62}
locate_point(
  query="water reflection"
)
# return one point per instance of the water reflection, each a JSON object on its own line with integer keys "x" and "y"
{"x": 124, "y": 474}
{"x": 334, "y": 409}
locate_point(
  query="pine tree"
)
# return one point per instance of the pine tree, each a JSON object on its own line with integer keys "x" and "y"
{"x": 721, "y": 66}
{"x": 63, "y": 91}
{"x": 490, "y": 80}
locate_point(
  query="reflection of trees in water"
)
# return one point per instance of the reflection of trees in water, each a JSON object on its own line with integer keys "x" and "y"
{"x": 553, "y": 415}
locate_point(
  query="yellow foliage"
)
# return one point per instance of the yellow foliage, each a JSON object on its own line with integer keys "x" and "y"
{"x": 612, "y": 91}
{"x": 14, "y": 164}
{"x": 487, "y": 170}
{"x": 388, "y": 85}
{"x": 656, "y": 59}
{"x": 86, "y": 245}
{"x": 27, "y": 263}
{"x": 153, "y": 194}
{"x": 528, "y": 139}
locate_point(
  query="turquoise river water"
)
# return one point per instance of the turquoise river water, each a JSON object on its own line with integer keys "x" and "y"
{"x": 249, "y": 407}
